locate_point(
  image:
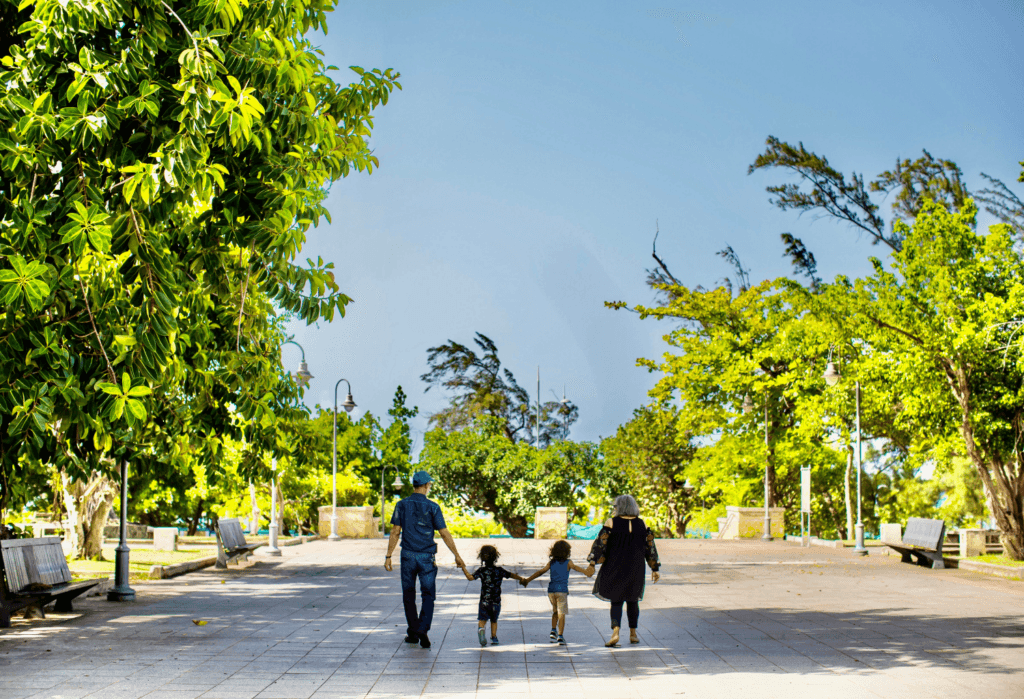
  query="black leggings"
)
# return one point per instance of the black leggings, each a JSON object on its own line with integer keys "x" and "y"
{"x": 632, "y": 614}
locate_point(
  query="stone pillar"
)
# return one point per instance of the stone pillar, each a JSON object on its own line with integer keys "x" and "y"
{"x": 890, "y": 533}
{"x": 551, "y": 523}
{"x": 721, "y": 523}
{"x": 353, "y": 522}
{"x": 748, "y": 522}
{"x": 972, "y": 542}
{"x": 165, "y": 538}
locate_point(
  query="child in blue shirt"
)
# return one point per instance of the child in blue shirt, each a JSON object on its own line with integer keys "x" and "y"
{"x": 558, "y": 588}
{"x": 490, "y": 577}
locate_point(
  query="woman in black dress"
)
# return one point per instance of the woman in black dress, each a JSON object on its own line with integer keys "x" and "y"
{"x": 621, "y": 549}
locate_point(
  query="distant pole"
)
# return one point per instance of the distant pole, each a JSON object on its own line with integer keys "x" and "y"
{"x": 538, "y": 407}
{"x": 859, "y": 548}
{"x": 767, "y": 534}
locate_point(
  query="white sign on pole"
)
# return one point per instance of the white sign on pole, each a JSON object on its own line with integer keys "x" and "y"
{"x": 805, "y": 489}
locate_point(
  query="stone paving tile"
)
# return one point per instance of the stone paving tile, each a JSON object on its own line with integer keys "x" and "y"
{"x": 728, "y": 619}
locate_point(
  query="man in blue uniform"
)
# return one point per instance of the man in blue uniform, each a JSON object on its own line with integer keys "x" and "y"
{"x": 415, "y": 519}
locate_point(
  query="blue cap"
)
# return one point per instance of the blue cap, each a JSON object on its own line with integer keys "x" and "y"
{"x": 421, "y": 478}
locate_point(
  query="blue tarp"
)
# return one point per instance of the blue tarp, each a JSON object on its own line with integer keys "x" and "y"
{"x": 578, "y": 532}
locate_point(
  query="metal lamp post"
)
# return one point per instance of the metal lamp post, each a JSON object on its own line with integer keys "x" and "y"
{"x": 122, "y": 592}
{"x": 348, "y": 405}
{"x": 397, "y": 485}
{"x": 565, "y": 403}
{"x": 748, "y": 406}
{"x": 272, "y": 549}
{"x": 832, "y": 377}
{"x": 565, "y": 415}
{"x": 302, "y": 374}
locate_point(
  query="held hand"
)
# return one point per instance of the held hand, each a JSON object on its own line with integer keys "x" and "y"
{"x": 524, "y": 582}
{"x": 387, "y": 564}
{"x": 590, "y": 570}
{"x": 655, "y": 576}
{"x": 459, "y": 563}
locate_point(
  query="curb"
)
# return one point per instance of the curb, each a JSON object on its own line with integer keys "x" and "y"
{"x": 159, "y": 572}
{"x": 1009, "y": 572}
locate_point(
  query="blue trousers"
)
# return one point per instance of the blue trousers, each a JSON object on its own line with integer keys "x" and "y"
{"x": 422, "y": 566}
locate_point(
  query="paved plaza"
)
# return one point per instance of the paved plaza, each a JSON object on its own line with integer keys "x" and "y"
{"x": 728, "y": 619}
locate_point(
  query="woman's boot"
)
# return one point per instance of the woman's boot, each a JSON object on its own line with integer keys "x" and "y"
{"x": 632, "y": 636}
{"x": 614, "y": 640}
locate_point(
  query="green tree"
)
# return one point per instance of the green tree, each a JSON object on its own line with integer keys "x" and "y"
{"x": 480, "y": 386}
{"x": 159, "y": 170}
{"x": 479, "y": 468}
{"x": 654, "y": 458}
{"x": 941, "y": 319}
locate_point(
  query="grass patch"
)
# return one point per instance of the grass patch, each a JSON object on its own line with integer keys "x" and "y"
{"x": 996, "y": 559}
{"x": 140, "y": 561}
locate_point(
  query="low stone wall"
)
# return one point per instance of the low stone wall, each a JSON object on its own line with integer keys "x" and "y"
{"x": 135, "y": 531}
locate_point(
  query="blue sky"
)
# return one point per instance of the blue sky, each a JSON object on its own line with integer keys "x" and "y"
{"x": 534, "y": 145}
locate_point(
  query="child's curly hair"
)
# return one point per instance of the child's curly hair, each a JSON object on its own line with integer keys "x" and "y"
{"x": 488, "y": 555}
{"x": 560, "y": 550}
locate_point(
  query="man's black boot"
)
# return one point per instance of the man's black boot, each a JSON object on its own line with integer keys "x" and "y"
{"x": 424, "y": 641}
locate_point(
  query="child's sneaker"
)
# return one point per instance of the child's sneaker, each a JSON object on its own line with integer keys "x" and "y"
{"x": 495, "y": 641}
{"x": 561, "y": 640}
{"x": 553, "y": 635}
{"x": 482, "y": 636}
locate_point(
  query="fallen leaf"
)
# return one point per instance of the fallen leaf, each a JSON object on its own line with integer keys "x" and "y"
{"x": 199, "y": 622}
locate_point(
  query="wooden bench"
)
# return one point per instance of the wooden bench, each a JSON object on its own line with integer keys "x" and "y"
{"x": 922, "y": 540}
{"x": 231, "y": 543}
{"x": 35, "y": 573}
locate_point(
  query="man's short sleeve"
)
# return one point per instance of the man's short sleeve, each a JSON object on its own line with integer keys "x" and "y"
{"x": 396, "y": 516}
{"x": 438, "y": 518}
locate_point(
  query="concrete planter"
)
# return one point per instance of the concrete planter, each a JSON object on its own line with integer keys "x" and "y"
{"x": 748, "y": 523}
{"x": 551, "y": 523}
{"x": 353, "y": 522}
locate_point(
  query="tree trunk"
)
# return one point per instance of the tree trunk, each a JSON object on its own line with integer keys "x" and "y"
{"x": 515, "y": 525}
{"x": 254, "y": 526}
{"x": 193, "y": 526}
{"x": 679, "y": 518}
{"x": 1004, "y": 482}
{"x": 276, "y": 490}
{"x": 846, "y": 486}
{"x": 88, "y": 504}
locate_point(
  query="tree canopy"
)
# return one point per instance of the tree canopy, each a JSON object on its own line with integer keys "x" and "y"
{"x": 160, "y": 168}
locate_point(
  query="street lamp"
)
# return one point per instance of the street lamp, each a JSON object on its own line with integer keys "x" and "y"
{"x": 272, "y": 549}
{"x": 348, "y": 405}
{"x": 565, "y": 403}
{"x": 122, "y": 592}
{"x": 397, "y": 485}
{"x": 302, "y": 374}
{"x": 832, "y": 377}
{"x": 748, "y": 406}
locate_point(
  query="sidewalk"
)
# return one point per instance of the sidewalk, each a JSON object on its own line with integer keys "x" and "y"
{"x": 728, "y": 619}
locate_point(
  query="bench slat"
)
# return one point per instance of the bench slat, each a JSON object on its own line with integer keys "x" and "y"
{"x": 924, "y": 533}
{"x": 15, "y": 543}
{"x": 14, "y": 567}
{"x": 231, "y": 531}
{"x": 34, "y": 561}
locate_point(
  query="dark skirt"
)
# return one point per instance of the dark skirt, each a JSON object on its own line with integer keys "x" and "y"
{"x": 622, "y": 576}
